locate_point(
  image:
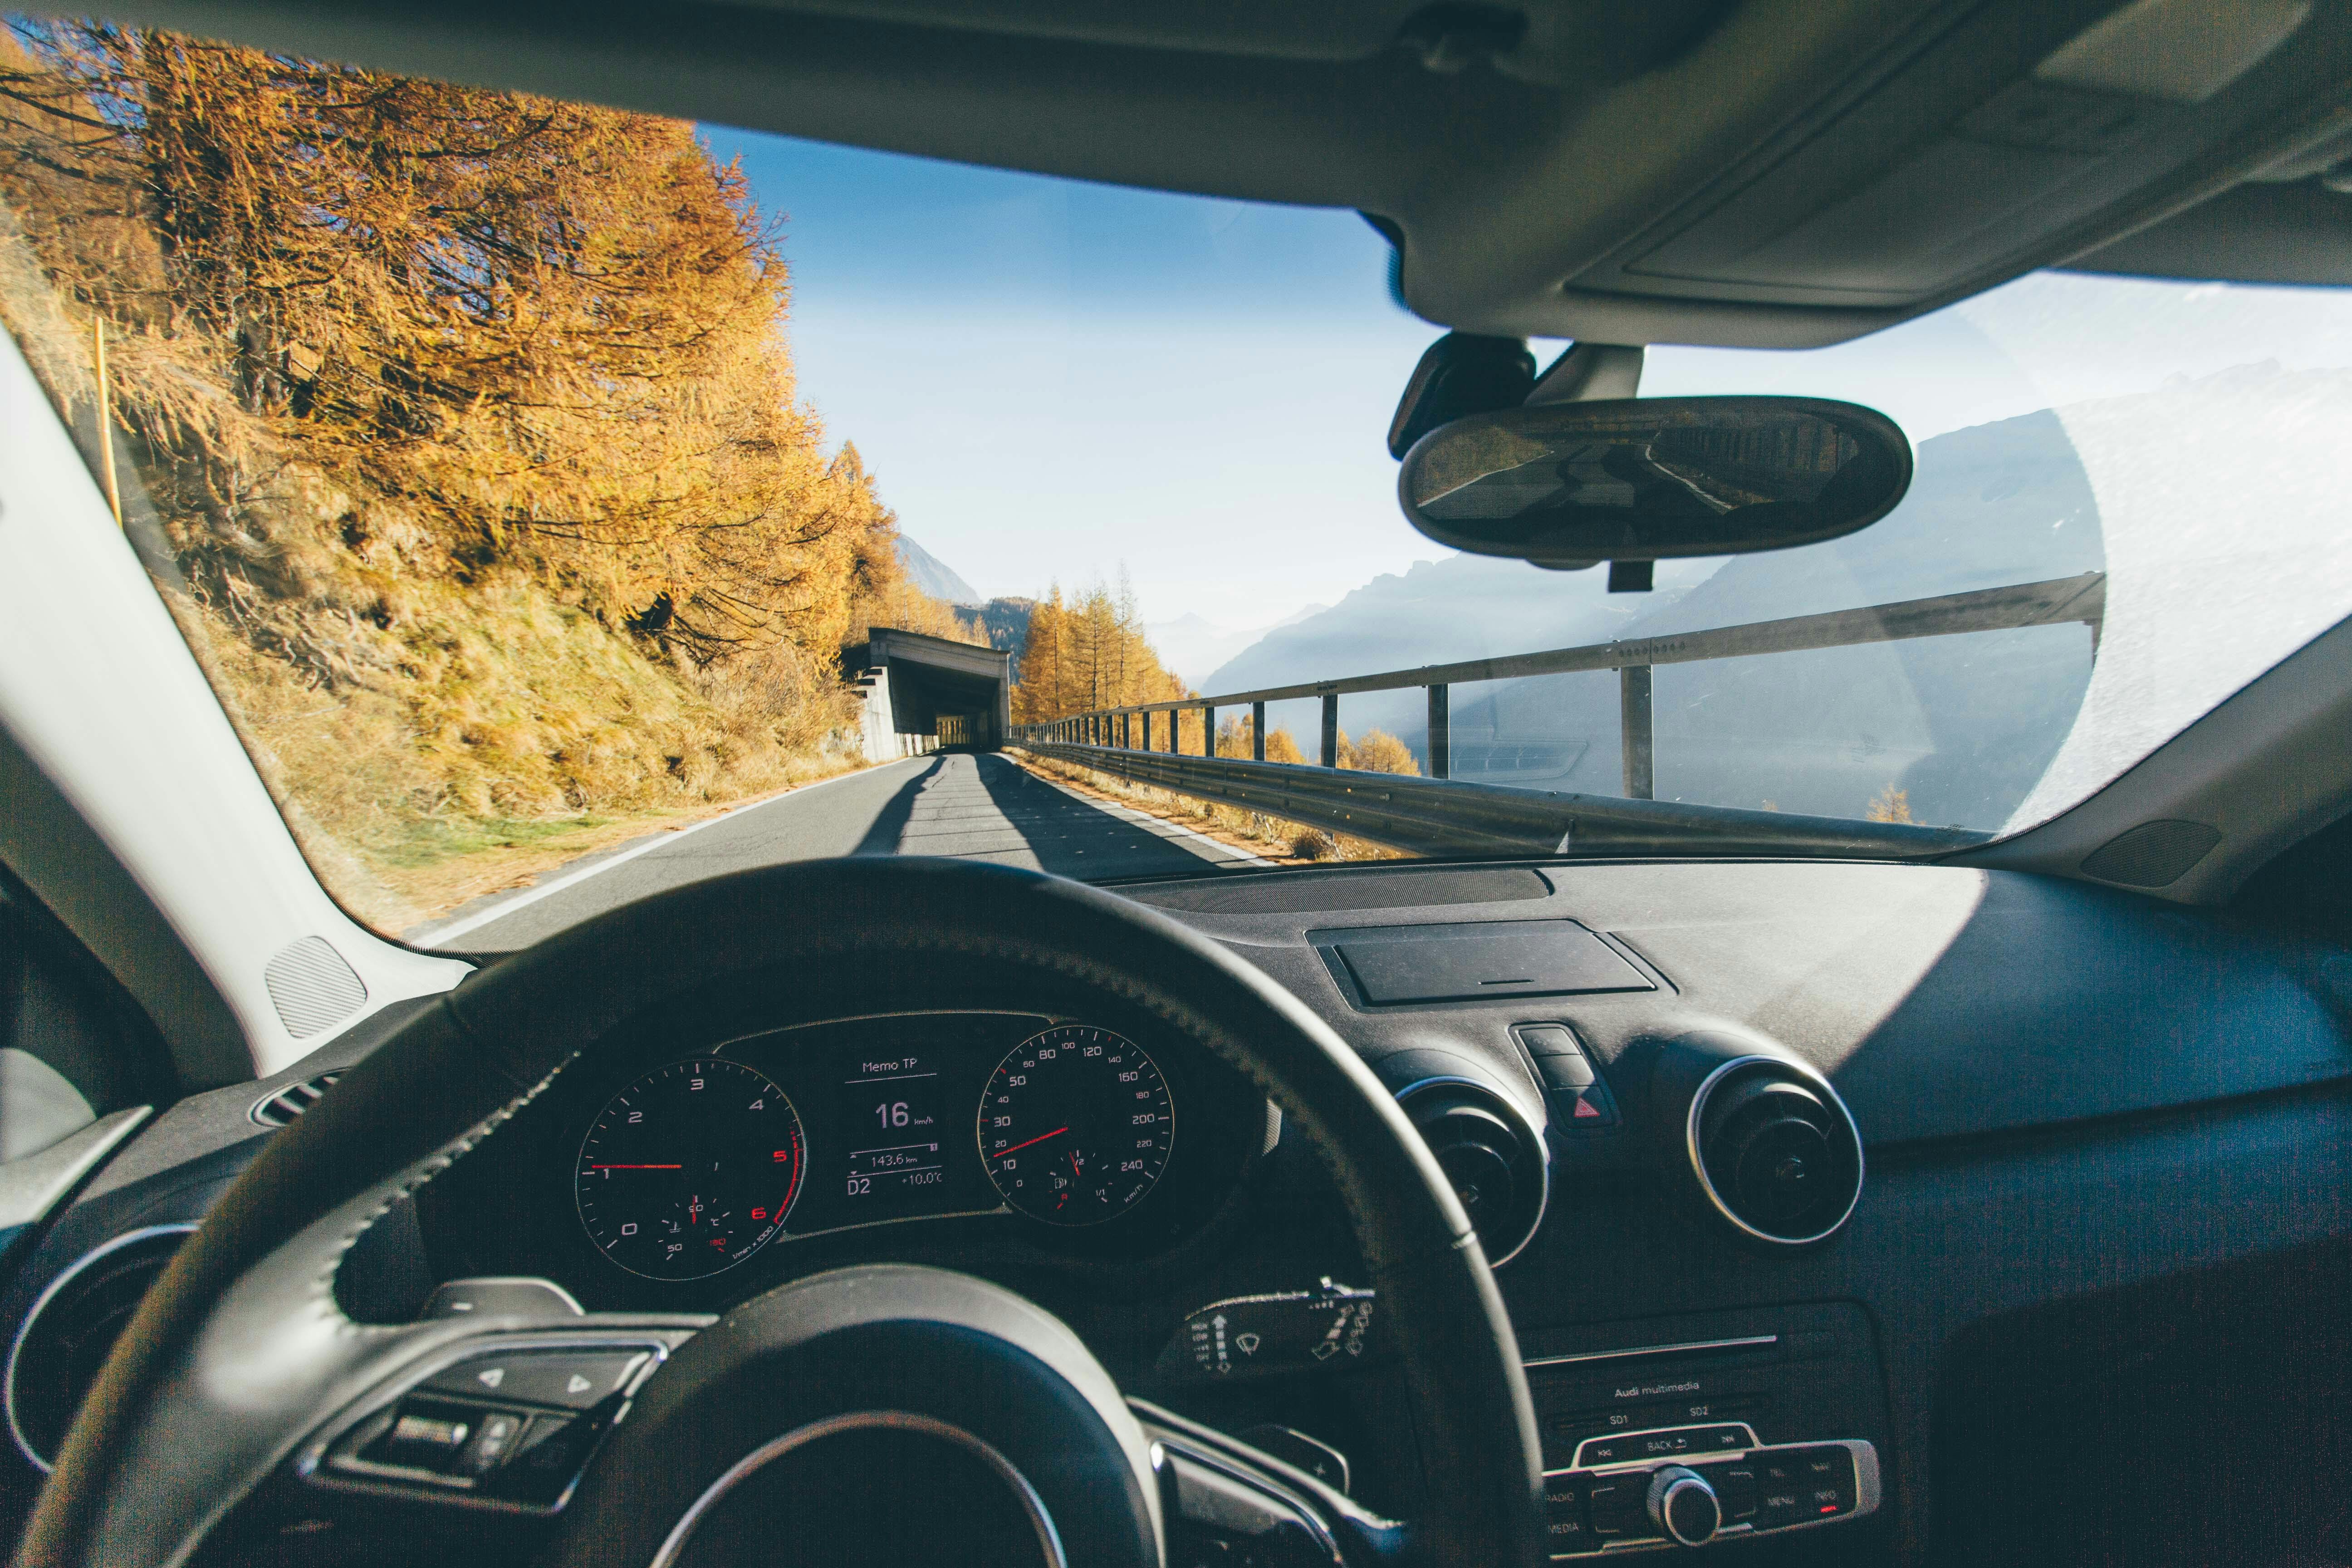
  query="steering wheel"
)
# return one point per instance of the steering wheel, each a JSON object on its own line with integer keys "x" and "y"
{"x": 240, "y": 1356}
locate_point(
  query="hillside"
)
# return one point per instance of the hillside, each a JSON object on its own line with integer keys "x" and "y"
{"x": 1962, "y": 726}
{"x": 481, "y": 486}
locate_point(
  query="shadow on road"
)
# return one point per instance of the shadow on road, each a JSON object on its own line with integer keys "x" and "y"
{"x": 889, "y": 825}
{"x": 1072, "y": 839}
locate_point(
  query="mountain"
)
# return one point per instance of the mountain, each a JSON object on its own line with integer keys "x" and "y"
{"x": 1963, "y": 725}
{"x": 1006, "y": 621}
{"x": 1192, "y": 646}
{"x": 1465, "y": 606}
{"x": 932, "y": 575}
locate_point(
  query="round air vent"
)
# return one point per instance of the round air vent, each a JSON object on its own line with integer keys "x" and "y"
{"x": 63, "y": 1343}
{"x": 1774, "y": 1150}
{"x": 1490, "y": 1153}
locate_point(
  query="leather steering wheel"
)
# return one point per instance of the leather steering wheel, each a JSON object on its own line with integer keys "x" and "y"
{"x": 240, "y": 1353}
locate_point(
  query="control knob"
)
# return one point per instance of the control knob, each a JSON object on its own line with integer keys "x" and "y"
{"x": 1684, "y": 1506}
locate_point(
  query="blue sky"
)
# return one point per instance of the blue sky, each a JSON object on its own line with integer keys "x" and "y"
{"x": 1052, "y": 379}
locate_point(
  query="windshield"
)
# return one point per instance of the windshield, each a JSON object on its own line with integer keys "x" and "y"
{"x": 566, "y": 503}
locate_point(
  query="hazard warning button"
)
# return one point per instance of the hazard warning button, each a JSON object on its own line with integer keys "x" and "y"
{"x": 1585, "y": 1109}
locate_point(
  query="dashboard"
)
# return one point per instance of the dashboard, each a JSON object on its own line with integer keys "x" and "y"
{"x": 2099, "y": 1198}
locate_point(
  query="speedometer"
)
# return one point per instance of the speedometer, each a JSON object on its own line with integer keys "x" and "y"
{"x": 1076, "y": 1125}
{"x": 689, "y": 1170}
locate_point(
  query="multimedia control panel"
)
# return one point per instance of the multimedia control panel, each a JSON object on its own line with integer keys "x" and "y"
{"x": 1719, "y": 1484}
{"x": 1715, "y": 1426}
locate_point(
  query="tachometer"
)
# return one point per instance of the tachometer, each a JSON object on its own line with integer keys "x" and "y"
{"x": 690, "y": 1170}
{"x": 1076, "y": 1125}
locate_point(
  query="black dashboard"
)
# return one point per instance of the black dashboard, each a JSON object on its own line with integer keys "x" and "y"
{"x": 2098, "y": 1252}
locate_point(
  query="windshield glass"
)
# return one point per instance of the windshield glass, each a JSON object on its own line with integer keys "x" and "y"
{"x": 566, "y": 503}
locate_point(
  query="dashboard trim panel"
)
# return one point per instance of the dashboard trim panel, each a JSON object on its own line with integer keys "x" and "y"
{"x": 72, "y": 1272}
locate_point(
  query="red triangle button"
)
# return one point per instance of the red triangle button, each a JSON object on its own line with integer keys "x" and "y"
{"x": 1585, "y": 1108}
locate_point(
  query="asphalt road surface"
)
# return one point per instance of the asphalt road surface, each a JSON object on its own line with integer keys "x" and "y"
{"x": 973, "y": 807}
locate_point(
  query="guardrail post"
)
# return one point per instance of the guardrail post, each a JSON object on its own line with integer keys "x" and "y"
{"x": 1634, "y": 713}
{"x": 1175, "y": 731}
{"x": 1257, "y": 732}
{"x": 1330, "y": 729}
{"x": 1209, "y": 732}
{"x": 1441, "y": 735}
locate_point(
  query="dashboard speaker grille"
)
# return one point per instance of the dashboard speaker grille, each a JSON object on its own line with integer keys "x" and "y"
{"x": 311, "y": 986}
{"x": 2153, "y": 855}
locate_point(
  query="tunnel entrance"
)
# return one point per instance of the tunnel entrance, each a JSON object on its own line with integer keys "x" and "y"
{"x": 923, "y": 693}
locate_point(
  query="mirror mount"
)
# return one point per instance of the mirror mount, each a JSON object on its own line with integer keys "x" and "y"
{"x": 1592, "y": 373}
{"x": 1460, "y": 375}
{"x": 1633, "y": 481}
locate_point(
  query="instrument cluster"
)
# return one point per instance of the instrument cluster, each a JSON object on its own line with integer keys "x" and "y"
{"x": 1076, "y": 1138}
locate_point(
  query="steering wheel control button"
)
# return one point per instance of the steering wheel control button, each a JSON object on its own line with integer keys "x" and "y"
{"x": 1290, "y": 1331}
{"x": 1683, "y": 1505}
{"x": 429, "y": 1438}
{"x": 493, "y": 1439}
{"x": 550, "y": 1458}
{"x": 569, "y": 1380}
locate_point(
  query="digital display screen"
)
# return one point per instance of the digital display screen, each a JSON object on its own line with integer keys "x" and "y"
{"x": 894, "y": 1118}
{"x": 890, "y": 1106}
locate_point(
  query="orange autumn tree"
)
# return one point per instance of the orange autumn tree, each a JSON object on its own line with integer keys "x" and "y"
{"x": 463, "y": 418}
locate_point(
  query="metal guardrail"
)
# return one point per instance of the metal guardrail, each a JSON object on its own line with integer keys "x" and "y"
{"x": 1440, "y": 815}
{"x": 1450, "y": 816}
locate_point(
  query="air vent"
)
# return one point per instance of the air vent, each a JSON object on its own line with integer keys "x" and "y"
{"x": 279, "y": 1109}
{"x": 1490, "y": 1153}
{"x": 64, "y": 1340}
{"x": 1775, "y": 1150}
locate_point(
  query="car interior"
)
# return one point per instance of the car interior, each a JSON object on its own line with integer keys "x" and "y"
{"x": 1872, "y": 1197}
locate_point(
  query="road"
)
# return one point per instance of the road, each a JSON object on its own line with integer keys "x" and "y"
{"x": 973, "y": 807}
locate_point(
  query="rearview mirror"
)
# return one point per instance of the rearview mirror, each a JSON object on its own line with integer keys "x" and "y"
{"x": 1566, "y": 485}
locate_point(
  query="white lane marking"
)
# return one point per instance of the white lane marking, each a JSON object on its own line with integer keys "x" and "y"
{"x": 430, "y": 936}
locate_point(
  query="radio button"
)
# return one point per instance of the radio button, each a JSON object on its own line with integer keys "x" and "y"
{"x": 1566, "y": 1529}
{"x": 1598, "y": 1451}
{"x": 1735, "y": 1485}
{"x": 1673, "y": 1443}
{"x": 1619, "y": 1508}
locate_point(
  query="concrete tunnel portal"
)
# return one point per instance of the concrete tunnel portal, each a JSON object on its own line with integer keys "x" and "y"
{"x": 925, "y": 692}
